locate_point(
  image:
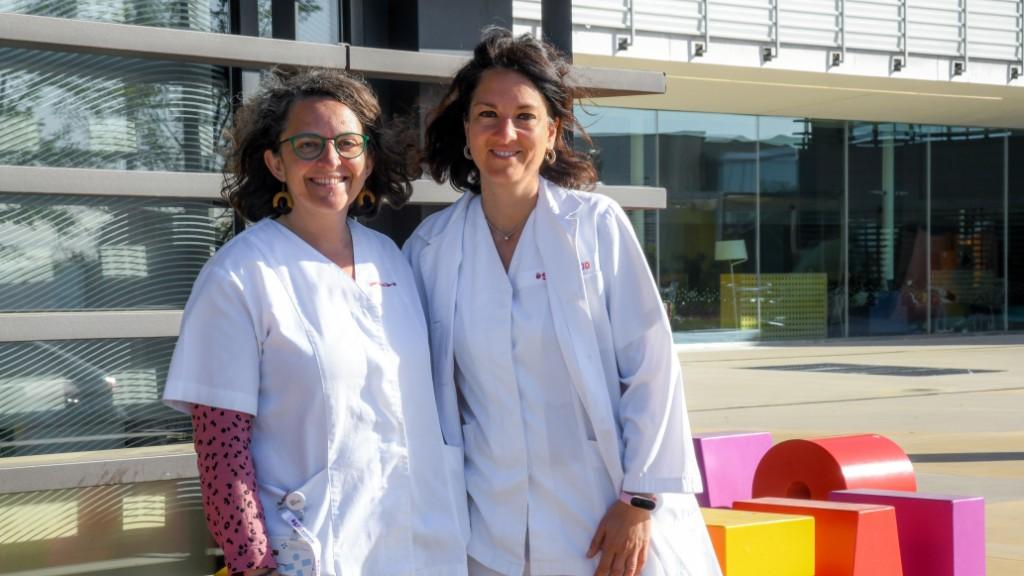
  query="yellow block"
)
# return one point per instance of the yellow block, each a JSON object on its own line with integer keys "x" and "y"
{"x": 761, "y": 544}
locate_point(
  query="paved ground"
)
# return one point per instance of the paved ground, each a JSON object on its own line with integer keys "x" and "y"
{"x": 964, "y": 432}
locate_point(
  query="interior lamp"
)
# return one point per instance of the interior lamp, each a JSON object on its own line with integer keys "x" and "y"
{"x": 734, "y": 252}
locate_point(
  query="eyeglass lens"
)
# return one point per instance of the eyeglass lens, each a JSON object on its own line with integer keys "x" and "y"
{"x": 311, "y": 146}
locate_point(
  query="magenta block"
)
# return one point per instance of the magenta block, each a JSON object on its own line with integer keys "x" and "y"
{"x": 939, "y": 535}
{"x": 727, "y": 461}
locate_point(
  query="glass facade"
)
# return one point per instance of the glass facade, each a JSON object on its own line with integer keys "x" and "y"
{"x": 797, "y": 228}
{"x": 1015, "y": 228}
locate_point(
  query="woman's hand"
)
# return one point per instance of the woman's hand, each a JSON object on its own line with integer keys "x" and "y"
{"x": 622, "y": 538}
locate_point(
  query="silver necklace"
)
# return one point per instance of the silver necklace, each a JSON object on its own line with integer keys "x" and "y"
{"x": 506, "y": 236}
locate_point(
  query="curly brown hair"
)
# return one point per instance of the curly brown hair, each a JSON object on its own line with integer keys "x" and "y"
{"x": 547, "y": 69}
{"x": 249, "y": 185}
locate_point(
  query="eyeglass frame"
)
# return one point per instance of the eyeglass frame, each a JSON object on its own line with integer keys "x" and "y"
{"x": 323, "y": 144}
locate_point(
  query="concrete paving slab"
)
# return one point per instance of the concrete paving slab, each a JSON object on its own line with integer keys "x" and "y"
{"x": 964, "y": 432}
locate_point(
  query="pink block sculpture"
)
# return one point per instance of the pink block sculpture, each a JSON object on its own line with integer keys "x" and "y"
{"x": 939, "y": 535}
{"x": 727, "y": 461}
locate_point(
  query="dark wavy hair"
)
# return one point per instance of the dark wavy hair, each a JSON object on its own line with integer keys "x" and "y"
{"x": 249, "y": 185}
{"x": 547, "y": 69}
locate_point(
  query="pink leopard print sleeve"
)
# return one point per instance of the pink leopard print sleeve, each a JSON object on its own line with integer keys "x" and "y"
{"x": 228, "y": 481}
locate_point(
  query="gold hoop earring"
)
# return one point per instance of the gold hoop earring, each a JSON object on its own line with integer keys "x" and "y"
{"x": 549, "y": 156}
{"x": 366, "y": 200}
{"x": 466, "y": 152}
{"x": 282, "y": 202}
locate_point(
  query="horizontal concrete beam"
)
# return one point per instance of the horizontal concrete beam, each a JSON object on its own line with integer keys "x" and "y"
{"x": 91, "y": 324}
{"x": 99, "y": 468}
{"x": 61, "y": 34}
{"x": 92, "y": 182}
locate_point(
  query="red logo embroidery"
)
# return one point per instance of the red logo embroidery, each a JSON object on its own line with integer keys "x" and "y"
{"x": 542, "y": 275}
{"x": 586, "y": 264}
{"x": 383, "y": 284}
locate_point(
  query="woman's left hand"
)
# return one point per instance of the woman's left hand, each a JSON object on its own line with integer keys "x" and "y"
{"x": 622, "y": 538}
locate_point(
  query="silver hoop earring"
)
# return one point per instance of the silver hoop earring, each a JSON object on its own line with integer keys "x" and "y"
{"x": 549, "y": 156}
{"x": 466, "y": 152}
{"x": 473, "y": 177}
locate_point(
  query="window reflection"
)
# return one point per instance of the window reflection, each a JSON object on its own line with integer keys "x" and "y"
{"x": 967, "y": 242}
{"x": 91, "y": 111}
{"x": 77, "y": 395}
{"x": 198, "y": 15}
{"x": 708, "y": 164}
{"x": 153, "y": 528}
{"x": 82, "y": 252}
{"x": 801, "y": 292}
{"x": 1015, "y": 246}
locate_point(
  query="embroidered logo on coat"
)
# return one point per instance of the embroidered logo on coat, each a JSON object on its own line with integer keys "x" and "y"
{"x": 383, "y": 284}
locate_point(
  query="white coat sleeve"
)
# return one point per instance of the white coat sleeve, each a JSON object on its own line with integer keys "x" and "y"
{"x": 216, "y": 360}
{"x": 658, "y": 450}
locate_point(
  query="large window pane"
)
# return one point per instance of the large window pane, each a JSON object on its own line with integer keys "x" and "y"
{"x": 887, "y": 227}
{"x": 153, "y": 528}
{"x": 75, "y": 395}
{"x": 89, "y": 111}
{"x": 199, "y": 15}
{"x": 316, "y": 20}
{"x": 801, "y": 290}
{"x": 625, "y": 153}
{"x": 708, "y": 164}
{"x": 967, "y": 241}
{"x": 1015, "y": 268}
{"x": 84, "y": 252}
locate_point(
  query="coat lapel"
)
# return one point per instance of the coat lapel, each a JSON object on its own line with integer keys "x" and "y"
{"x": 558, "y": 236}
{"x": 442, "y": 257}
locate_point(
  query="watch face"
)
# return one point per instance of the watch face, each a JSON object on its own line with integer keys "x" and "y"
{"x": 642, "y": 503}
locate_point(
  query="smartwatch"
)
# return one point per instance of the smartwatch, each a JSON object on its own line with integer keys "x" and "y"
{"x": 642, "y": 501}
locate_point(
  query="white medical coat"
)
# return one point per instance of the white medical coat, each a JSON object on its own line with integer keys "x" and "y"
{"x": 617, "y": 344}
{"x": 337, "y": 374}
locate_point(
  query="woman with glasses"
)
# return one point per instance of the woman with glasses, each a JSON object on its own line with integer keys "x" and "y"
{"x": 303, "y": 353}
{"x": 545, "y": 319}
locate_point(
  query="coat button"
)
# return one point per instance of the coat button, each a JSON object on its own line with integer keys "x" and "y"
{"x": 295, "y": 501}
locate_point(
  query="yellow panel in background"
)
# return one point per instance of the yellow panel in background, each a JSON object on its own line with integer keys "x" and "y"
{"x": 761, "y": 544}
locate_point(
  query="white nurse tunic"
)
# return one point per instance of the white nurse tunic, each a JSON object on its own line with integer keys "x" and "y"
{"x": 337, "y": 374}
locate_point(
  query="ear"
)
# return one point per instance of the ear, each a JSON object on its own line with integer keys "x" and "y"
{"x": 274, "y": 163}
{"x": 553, "y": 130}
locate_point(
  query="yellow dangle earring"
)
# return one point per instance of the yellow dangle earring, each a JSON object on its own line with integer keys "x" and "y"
{"x": 366, "y": 200}
{"x": 282, "y": 202}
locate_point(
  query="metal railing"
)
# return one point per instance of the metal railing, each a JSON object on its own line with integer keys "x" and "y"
{"x": 959, "y": 29}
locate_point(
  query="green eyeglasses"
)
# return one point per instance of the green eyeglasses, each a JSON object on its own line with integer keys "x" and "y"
{"x": 309, "y": 146}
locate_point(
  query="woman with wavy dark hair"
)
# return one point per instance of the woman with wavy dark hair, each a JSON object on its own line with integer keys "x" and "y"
{"x": 549, "y": 341}
{"x": 303, "y": 353}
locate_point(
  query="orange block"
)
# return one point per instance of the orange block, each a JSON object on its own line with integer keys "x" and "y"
{"x": 813, "y": 468}
{"x": 850, "y": 539}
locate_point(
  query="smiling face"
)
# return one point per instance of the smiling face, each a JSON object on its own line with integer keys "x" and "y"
{"x": 508, "y": 129}
{"x": 326, "y": 185}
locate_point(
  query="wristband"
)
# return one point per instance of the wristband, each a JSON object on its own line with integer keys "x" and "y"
{"x": 646, "y": 502}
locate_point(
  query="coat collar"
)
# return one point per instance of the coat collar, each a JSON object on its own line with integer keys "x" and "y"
{"x": 552, "y": 198}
